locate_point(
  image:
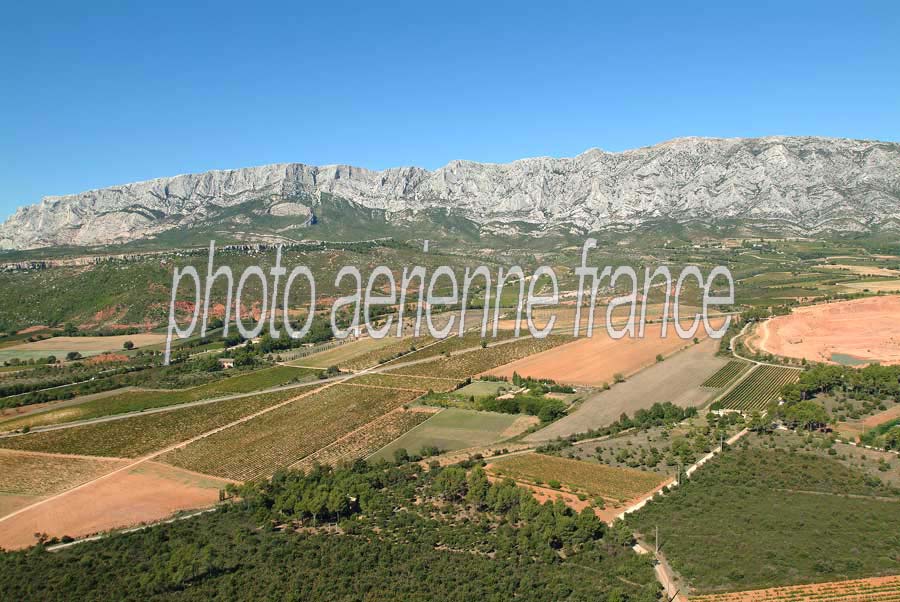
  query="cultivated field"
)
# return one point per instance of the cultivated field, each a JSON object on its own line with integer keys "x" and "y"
{"x": 591, "y": 479}
{"x": 368, "y": 439}
{"x": 286, "y": 435}
{"x": 146, "y": 493}
{"x": 678, "y": 379}
{"x": 86, "y": 346}
{"x": 596, "y": 360}
{"x": 347, "y": 354}
{"x": 866, "y": 330}
{"x": 453, "y": 429}
{"x": 139, "y": 435}
{"x": 727, "y": 375}
{"x": 876, "y": 589}
{"x": 467, "y": 363}
{"x": 395, "y": 381}
{"x": 761, "y": 387}
{"x": 880, "y": 286}
{"x": 135, "y": 401}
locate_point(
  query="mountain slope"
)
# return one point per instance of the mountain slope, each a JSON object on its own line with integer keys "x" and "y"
{"x": 790, "y": 183}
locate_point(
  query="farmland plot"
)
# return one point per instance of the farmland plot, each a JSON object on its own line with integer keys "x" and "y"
{"x": 135, "y": 401}
{"x": 368, "y": 439}
{"x": 260, "y": 446}
{"x": 465, "y": 364}
{"x": 727, "y": 375}
{"x": 595, "y": 480}
{"x": 759, "y": 389}
{"x": 394, "y": 381}
{"x": 135, "y": 436}
{"x": 882, "y": 589}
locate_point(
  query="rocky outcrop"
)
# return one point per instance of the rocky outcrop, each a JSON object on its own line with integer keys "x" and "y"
{"x": 800, "y": 184}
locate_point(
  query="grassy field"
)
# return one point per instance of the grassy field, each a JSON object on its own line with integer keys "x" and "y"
{"x": 759, "y": 389}
{"x": 135, "y": 401}
{"x": 136, "y": 436}
{"x": 594, "y": 480}
{"x": 286, "y": 435}
{"x": 453, "y": 429}
{"x": 755, "y": 518}
{"x": 86, "y": 346}
{"x": 484, "y": 388}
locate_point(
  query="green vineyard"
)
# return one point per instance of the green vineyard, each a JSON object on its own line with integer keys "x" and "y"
{"x": 759, "y": 389}
{"x": 726, "y": 374}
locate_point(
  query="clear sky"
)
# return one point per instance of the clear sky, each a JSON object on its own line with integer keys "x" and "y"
{"x": 104, "y": 93}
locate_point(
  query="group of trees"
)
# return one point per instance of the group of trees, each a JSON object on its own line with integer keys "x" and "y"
{"x": 872, "y": 382}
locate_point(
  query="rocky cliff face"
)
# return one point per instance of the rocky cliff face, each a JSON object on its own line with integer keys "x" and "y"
{"x": 798, "y": 184}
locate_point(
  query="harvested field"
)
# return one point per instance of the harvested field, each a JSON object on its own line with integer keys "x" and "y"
{"x": 679, "y": 379}
{"x": 467, "y": 363}
{"x": 867, "y": 330}
{"x": 86, "y": 346}
{"x": 135, "y": 436}
{"x": 260, "y": 446}
{"x": 761, "y": 387}
{"x": 363, "y": 442}
{"x": 145, "y": 493}
{"x": 882, "y": 589}
{"x": 727, "y": 375}
{"x": 35, "y": 474}
{"x": 453, "y": 429}
{"x": 861, "y": 270}
{"x": 881, "y": 286}
{"x": 596, "y": 360}
{"x": 592, "y": 479}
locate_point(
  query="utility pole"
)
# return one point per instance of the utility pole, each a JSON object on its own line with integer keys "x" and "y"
{"x": 656, "y": 553}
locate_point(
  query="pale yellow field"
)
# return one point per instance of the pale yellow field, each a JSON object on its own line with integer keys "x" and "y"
{"x": 88, "y": 345}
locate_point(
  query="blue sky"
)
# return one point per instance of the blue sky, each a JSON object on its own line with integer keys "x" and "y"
{"x": 98, "y": 94}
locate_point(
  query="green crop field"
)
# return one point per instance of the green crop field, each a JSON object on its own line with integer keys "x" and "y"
{"x": 135, "y": 401}
{"x": 759, "y": 389}
{"x": 726, "y": 375}
{"x": 286, "y": 435}
{"x": 452, "y": 429}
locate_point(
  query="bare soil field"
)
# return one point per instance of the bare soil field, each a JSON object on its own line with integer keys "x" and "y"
{"x": 883, "y": 589}
{"x": 596, "y": 360}
{"x": 146, "y": 493}
{"x": 862, "y": 330}
{"x": 677, "y": 379}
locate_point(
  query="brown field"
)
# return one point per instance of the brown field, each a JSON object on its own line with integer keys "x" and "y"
{"x": 678, "y": 379}
{"x": 88, "y": 345}
{"x": 883, "y": 589}
{"x": 861, "y": 270}
{"x": 867, "y": 330}
{"x": 147, "y": 492}
{"x": 596, "y": 360}
{"x": 883, "y": 286}
{"x": 30, "y": 473}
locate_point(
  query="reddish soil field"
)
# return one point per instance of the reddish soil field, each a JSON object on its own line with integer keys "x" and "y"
{"x": 147, "y": 492}
{"x": 865, "y": 329}
{"x": 883, "y": 589}
{"x": 596, "y": 360}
